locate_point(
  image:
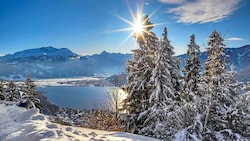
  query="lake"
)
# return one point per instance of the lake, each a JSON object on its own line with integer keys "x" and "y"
{"x": 76, "y": 97}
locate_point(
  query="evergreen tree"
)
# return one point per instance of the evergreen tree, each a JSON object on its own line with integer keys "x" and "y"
{"x": 239, "y": 116}
{"x": 29, "y": 97}
{"x": 215, "y": 64}
{"x": 222, "y": 119}
{"x": 162, "y": 117}
{"x": 219, "y": 113}
{"x": 192, "y": 69}
{"x": 192, "y": 94}
{"x": 12, "y": 93}
{"x": 2, "y": 93}
{"x": 173, "y": 64}
{"x": 139, "y": 73}
{"x": 245, "y": 104}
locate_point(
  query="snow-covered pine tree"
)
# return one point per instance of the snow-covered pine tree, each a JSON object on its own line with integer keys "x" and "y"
{"x": 248, "y": 86}
{"x": 29, "y": 96}
{"x": 215, "y": 64}
{"x": 192, "y": 95}
{"x": 239, "y": 116}
{"x": 2, "y": 93}
{"x": 222, "y": 119}
{"x": 172, "y": 62}
{"x": 245, "y": 105}
{"x": 139, "y": 73}
{"x": 192, "y": 71}
{"x": 12, "y": 93}
{"x": 162, "y": 118}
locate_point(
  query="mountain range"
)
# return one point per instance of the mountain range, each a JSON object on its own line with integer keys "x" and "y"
{"x": 50, "y": 62}
{"x": 41, "y": 54}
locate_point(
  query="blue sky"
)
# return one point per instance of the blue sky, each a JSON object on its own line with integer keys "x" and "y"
{"x": 87, "y": 26}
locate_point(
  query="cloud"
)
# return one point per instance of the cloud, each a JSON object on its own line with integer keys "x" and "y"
{"x": 234, "y": 39}
{"x": 172, "y": 1}
{"x": 201, "y": 11}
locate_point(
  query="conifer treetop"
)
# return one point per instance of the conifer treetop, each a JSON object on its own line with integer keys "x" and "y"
{"x": 215, "y": 64}
{"x": 192, "y": 39}
{"x": 165, "y": 36}
{"x": 147, "y": 24}
{"x": 215, "y": 39}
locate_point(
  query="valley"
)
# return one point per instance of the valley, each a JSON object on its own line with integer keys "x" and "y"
{"x": 50, "y": 63}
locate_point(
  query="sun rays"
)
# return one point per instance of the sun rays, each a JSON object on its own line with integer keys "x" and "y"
{"x": 139, "y": 25}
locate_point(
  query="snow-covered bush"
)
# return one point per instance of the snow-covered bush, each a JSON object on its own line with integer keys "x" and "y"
{"x": 28, "y": 95}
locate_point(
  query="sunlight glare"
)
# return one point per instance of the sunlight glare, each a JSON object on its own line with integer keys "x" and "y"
{"x": 138, "y": 25}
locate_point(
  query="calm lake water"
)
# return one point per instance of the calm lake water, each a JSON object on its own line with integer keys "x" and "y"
{"x": 76, "y": 97}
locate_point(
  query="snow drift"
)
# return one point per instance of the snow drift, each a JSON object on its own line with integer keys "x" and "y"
{"x": 20, "y": 124}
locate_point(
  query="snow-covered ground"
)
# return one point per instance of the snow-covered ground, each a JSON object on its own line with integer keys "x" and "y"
{"x": 19, "y": 124}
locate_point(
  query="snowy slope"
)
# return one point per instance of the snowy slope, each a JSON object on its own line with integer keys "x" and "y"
{"x": 29, "y": 125}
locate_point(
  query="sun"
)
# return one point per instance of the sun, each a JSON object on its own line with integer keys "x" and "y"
{"x": 139, "y": 26}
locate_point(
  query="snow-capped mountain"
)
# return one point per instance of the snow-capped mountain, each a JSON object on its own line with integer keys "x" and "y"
{"x": 40, "y": 54}
{"x": 239, "y": 57}
{"x": 50, "y": 62}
